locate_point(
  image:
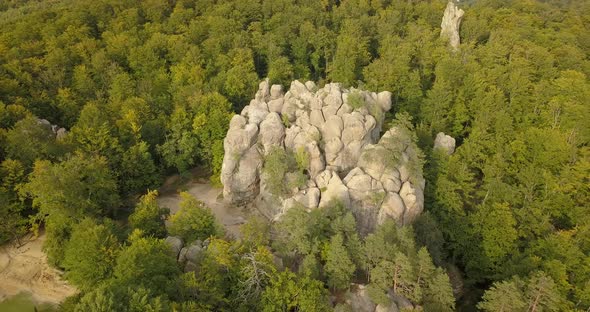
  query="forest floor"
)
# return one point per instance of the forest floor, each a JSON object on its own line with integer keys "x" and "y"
{"x": 24, "y": 268}
{"x": 198, "y": 185}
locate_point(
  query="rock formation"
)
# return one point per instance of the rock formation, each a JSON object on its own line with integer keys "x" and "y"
{"x": 450, "y": 24}
{"x": 445, "y": 143}
{"x": 188, "y": 256}
{"x": 60, "y": 133}
{"x": 335, "y": 134}
{"x": 357, "y": 299}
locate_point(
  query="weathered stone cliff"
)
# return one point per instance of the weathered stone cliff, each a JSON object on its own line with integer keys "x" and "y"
{"x": 335, "y": 134}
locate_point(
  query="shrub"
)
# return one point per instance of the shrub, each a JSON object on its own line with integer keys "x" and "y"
{"x": 356, "y": 100}
{"x": 275, "y": 167}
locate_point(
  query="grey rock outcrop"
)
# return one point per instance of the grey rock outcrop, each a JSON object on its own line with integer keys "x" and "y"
{"x": 60, "y": 133}
{"x": 392, "y": 307}
{"x": 401, "y": 302}
{"x": 188, "y": 256}
{"x": 175, "y": 244}
{"x": 358, "y": 299}
{"x": 378, "y": 178}
{"x": 451, "y": 23}
{"x": 445, "y": 143}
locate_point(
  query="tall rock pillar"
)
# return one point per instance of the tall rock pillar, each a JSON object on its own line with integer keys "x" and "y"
{"x": 450, "y": 24}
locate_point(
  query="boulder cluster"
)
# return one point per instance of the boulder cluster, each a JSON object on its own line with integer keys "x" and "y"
{"x": 59, "y": 132}
{"x": 188, "y": 256}
{"x": 338, "y": 130}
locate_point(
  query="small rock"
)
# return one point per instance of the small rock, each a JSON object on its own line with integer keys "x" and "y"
{"x": 182, "y": 255}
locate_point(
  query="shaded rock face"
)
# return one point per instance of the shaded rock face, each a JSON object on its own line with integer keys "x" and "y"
{"x": 338, "y": 130}
{"x": 451, "y": 23}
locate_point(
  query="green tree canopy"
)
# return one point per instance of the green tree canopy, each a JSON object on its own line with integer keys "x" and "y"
{"x": 90, "y": 254}
{"x": 193, "y": 221}
{"x": 148, "y": 216}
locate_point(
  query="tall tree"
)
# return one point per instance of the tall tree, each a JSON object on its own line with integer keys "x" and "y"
{"x": 90, "y": 254}
{"x": 148, "y": 216}
{"x": 147, "y": 263}
{"x": 194, "y": 220}
{"x": 351, "y": 54}
{"x": 339, "y": 267}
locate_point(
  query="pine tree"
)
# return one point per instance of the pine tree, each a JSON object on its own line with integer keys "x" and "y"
{"x": 339, "y": 267}
{"x": 504, "y": 296}
{"x": 438, "y": 295}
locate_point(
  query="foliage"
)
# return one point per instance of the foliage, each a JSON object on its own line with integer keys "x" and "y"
{"x": 285, "y": 170}
{"x": 256, "y": 270}
{"x": 138, "y": 169}
{"x": 537, "y": 293}
{"x": 276, "y": 166}
{"x": 339, "y": 267}
{"x": 147, "y": 263}
{"x": 30, "y": 140}
{"x": 356, "y": 100}
{"x": 286, "y": 292}
{"x": 196, "y": 131}
{"x": 193, "y": 221}
{"x": 13, "y": 218}
{"x": 255, "y": 232}
{"x": 148, "y": 217}
{"x": 146, "y": 86}
{"x": 81, "y": 185}
{"x": 393, "y": 261}
{"x": 90, "y": 254}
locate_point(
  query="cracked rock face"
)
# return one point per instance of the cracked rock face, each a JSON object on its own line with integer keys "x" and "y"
{"x": 346, "y": 159}
{"x": 450, "y": 24}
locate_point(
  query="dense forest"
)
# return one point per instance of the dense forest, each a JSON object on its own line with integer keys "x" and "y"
{"x": 146, "y": 88}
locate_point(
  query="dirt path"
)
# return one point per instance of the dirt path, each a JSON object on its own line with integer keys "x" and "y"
{"x": 25, "y": 269}
{"x": 229, "y": 216}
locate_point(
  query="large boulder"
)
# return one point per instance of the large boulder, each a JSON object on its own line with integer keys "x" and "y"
{"x": 337, "y": 149}
{"x": 335, "y": 191}
{"x": 393, "y": 207}
{"x": 194, "y": 253}
{"x": 175, "y": 244}
{"x": 445, "y": 143}
{"x": 272, "y": 132}
{"x": 358, "y": 299}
